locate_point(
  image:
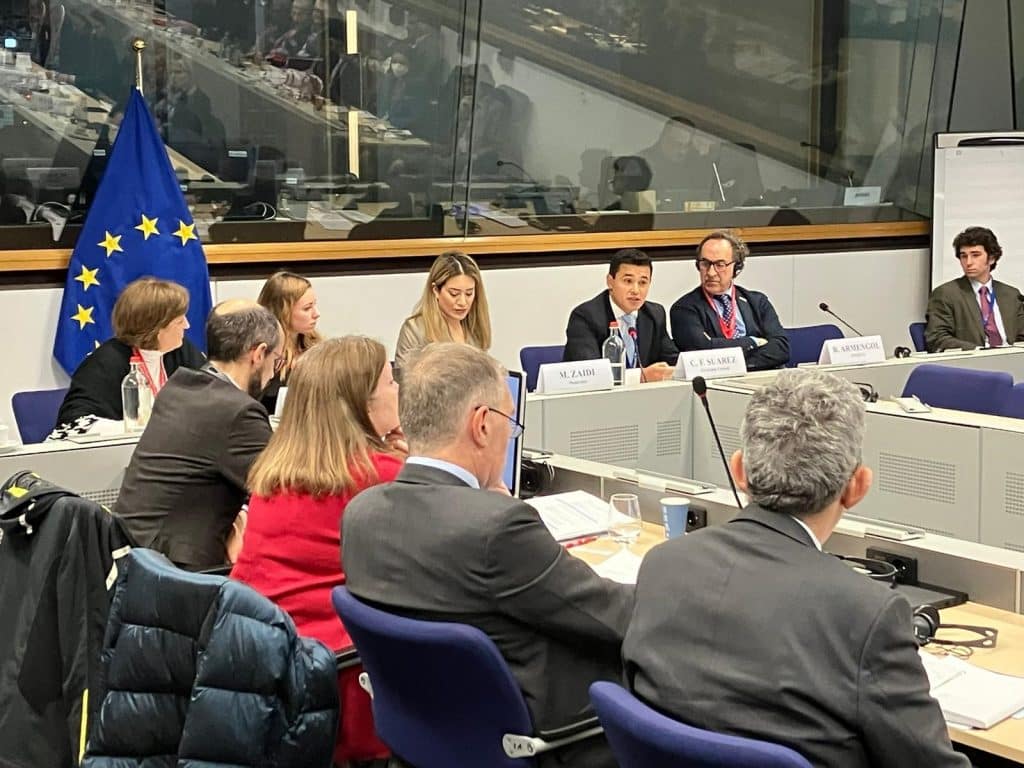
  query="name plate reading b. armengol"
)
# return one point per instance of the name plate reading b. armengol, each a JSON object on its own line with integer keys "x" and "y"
{"x": 579, "y": 376}
{"x": 856, "y": 351}
{"x": 711, "y": 363}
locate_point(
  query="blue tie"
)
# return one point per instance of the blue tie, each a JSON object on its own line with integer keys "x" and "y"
{"x": 726, "y": 301}
{"x": 628, "y": 324}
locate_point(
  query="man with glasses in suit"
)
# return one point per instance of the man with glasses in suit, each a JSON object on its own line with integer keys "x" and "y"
{"x": 974, "y": 310}
{"x": 718, "y": 313}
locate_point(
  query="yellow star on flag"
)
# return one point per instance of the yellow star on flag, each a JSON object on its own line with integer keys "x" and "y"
{"x": 111, "y": 243}
{"x": 83, "y": 316}
{"x": 88, "y": 277}
{"x": 186, "y": 232}
{"x": 147, "y": 227}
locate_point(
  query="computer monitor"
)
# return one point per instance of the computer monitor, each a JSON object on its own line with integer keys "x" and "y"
{"x": 514, "y": 458}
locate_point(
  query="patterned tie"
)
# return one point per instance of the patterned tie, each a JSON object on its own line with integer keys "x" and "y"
{"x": 726, "y": 301}
{"x": 628, "y": 322}
{"x": 988, "y": 319}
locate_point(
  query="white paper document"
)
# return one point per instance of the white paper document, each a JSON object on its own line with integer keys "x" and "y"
{"x": 969, "y": 695}
{"x": 572, "y": 515}
{"x": 622, "y": 567}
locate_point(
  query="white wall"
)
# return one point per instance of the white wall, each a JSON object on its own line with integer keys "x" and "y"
{"x": 877, "y": 291}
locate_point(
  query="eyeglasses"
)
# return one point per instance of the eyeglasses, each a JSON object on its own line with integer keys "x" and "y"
{"x": 517, "y": 428}
{"x": 719, "y": 266}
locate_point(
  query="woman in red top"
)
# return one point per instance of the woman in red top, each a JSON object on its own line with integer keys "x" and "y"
{"x": 339, "y": 434}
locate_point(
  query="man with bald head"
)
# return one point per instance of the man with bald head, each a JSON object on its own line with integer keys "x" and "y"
{"x": 185, "y": 485}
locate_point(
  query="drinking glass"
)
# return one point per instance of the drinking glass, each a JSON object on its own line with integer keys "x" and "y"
{"x": 624, "y": 518}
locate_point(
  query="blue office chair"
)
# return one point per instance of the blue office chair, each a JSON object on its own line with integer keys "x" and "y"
{"x": 1014, "y": 405}
{"x": 917, "y": 336}
{"x": 532, "y": 358}
{"x": 805, "y": 343}
{"x": 35, "y": 413}
{"x": 962, "y": 389}
{"x": 643, "y": 738}
{"x": 442, "y": 693}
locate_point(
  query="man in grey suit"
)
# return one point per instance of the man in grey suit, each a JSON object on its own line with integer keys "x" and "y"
{"x": 750, "y": 629}
{"x": 440, "y": 543}
{"x": 185, "y": 485}
{"x": 974, "y": 310}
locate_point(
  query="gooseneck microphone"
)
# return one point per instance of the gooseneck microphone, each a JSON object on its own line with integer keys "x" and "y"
{"x": 518, "y": 167}
{"x": 824, "y": 308}
{"x": 700, "y": 389}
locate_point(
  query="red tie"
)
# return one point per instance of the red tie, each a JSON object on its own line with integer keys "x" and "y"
{"x": 988, "y": 319}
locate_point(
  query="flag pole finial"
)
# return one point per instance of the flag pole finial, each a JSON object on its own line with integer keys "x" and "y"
{"x": 138, "y": 46}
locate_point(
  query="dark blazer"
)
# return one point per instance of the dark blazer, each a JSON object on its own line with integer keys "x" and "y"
{"x": 588, "y": 328}
{"x": 695, "y": 326}
{"x": 186, "y": 480}
{"x": 430, "y": 547}
{"x": 954, "y": 315}
{"x": 748, "y": 629}
{"x": 95, "y": 388}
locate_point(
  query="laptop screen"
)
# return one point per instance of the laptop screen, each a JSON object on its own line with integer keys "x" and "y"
{"x": 514, "y": 457}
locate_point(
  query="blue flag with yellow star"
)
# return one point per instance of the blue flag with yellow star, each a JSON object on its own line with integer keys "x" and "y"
{"x": 138, "y": 226}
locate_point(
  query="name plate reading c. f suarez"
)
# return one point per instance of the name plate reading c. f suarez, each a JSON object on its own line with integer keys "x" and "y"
{"x": 856, "y": 351}
{"x": 711, "y": 363}
{"x": 579, "y": 376}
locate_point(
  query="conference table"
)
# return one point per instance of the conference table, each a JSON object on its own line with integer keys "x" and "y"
{"x": 1005, "y": 739}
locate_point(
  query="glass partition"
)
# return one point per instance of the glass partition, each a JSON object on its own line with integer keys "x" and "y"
{"x": 298, "y": 120}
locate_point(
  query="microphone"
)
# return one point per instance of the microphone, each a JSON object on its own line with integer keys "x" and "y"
{"x": 824, "y": 308}
{"x": 700, "y": 389}
{"x": 517, "y": 166}
{"x": 718, "y": 180}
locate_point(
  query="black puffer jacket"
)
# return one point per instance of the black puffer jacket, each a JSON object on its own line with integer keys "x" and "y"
{"x": 57, "y": 571}
{"x": 201, "y": 670}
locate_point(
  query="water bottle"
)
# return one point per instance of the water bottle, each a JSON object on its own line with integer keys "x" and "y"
{"x": 614, "y": 350}
{"x": 136, "y": 399}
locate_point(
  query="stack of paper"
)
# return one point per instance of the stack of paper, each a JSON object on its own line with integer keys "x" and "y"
{"x": 969, "y": 695}
{"x": 622, "y": 567}
{"x": 574, "y": 514}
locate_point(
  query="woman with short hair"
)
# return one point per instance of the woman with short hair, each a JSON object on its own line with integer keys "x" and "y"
{"x": 338, "y": 435}
{"x": 453, "y": 308}
{"x": 149, "y": 321}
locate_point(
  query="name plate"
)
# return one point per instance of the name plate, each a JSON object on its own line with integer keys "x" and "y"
{"x": 579, "y": 376}
{"x": 855, "y": 351}
{"x": 862, "y": 195}
{"x": 710, "y": 363}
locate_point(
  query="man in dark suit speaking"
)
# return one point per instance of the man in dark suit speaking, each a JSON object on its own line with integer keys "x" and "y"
{"x": 718, "y": 313}
{"x": 437, "y": 544}
{"x": 974, "y": 310}
{"x": 750, "y": 629}
{"x": 641, "y": 322}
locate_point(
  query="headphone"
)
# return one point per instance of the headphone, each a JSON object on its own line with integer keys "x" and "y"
{"x": 740, "y": 251}
{"x": 535, "y": 477}
{"x": 926, "y": 624}
{"x": 867, "y": 391}
{"x": 901, "y": 352}
{"x": 876, "y": 570}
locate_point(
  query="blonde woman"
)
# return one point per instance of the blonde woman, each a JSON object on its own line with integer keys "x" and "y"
{"x": 292, "y": 300}
{"x": 453, "y": 308}
{"x": 338, "y": 435}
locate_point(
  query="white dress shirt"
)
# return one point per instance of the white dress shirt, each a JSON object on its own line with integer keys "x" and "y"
{"x": 809, "y": 532}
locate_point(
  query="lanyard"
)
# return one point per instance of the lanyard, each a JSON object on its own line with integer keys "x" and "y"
{"x": 728, "y": 329}
{"x": 137, "y": 358}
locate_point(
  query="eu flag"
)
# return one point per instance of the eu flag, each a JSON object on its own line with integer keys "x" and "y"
{"x": 138, "y": 225}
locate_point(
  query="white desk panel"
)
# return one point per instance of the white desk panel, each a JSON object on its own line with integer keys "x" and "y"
{"x": 93, "y": 470}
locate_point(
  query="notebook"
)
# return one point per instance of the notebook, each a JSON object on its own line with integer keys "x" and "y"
{"x": 969, "y": 695}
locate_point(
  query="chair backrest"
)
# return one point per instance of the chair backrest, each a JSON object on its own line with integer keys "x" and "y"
{"x": 643, "y": 738}
{"x": 917, "y": 336}
{"x": 532, "y": 358}
{"x": 442, "y": 693}
{"x": 805, "y": 342}
{"x": 1014, "y": 405}
{"x": 36, "y": 413}
{"x": 963, "y": 389}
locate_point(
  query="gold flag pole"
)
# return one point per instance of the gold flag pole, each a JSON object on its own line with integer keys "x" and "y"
{"x": 138, "y": 45}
